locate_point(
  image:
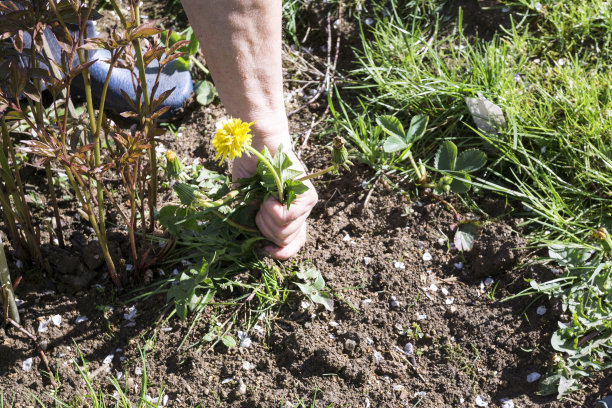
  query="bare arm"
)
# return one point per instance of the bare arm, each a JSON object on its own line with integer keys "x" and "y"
{"x": 241, "y": 41}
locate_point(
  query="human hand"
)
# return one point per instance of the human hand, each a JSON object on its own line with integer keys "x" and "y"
{"x": 286, "y": 228}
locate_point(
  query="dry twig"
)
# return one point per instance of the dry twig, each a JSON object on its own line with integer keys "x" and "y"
{"x": 43, "y": 357}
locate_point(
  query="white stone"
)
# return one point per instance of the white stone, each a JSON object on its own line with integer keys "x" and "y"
{"x": 458, "y": 265}
{"x": 369, "y": 21}
{"x": 421, "y": 316}
{"x": 333, "y": 324}
{"x": 247, "y": 366}
{"x": 488, "y": 281}
{"x": 304, "y": 304}
{"x": 27, "y": 364}
{"x": 131, "y": 313}
{"x": 108, "y": 359}
{"x": 506, "y": 403}
{"x": 57, "y": 320}
{"x": 399, "y": 265}
{"x": 444, "y": 291}
{"x": 81, "y": 319}
{"x": 433, "y": 287}
{"x": 481, "y": 401}
{"x": 450, "y": 300}
{"x": 43, "y": 326}
{"x": 427, "y": 256}
{"x": 245, "y": 340}
{"x": 541, "y": 310}
{"x": 533, "y": 377}
{"x": 367, "y": 260}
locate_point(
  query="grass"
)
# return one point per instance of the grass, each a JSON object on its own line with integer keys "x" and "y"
{"x": 550, "y": 73}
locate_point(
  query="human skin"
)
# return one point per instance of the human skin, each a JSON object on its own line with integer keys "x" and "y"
{"x": 241, "y": 41}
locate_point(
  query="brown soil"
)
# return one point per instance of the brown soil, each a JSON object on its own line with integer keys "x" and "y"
{"x": 388, "y": 293}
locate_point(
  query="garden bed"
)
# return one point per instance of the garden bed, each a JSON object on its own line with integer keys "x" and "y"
{"x": 415, "y": 323}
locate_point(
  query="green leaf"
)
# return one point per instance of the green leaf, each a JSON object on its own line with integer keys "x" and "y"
{"x": 394, "y": 143}
{"x": 460, "y": 186}
{"x": 446, "y": 156}
{"x": 466, "y": 234}
{"x": 418, "y": 125}
{"x": 391, "y": 125}
{"x": 548, "y": 385}
{"x": 229, "y": 341}
{"x": 559, "y": 343}
{"x": 205, "y": 92}
{"x": 470, "y": 160}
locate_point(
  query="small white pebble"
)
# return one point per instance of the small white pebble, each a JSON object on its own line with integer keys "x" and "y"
{"x": 458, "y": 265}
{"x": 27, "y": 364}
{"x": 166, "y": 329}
{"x": 130, "y": 314}
{"x": 369, "y": 341}
{"x": 57, "y": 320}
{"x": 488, "y": 281}
{"x": 227, "y": 380}
{"x": 108, "y": 359}
{"x": 304, "y": 304}
{"x": 245, "y": 340}
{"x": 81, "y": 319}
{"x": 333, "y": 324}
{"x": 346, "y": 238}
{"x": 19, "y": 302}
{"x": 533, "y": 377}
{"x": 427, "y": 256}
{"x": 43, "y": 326}
{"x": 366, "y": 301}
{"x": 441, "y": 241}
{"x": 19, "y": 264}
{"x": 129, "y": 267}
{"x": 433, "y": 287}
{"x": 247, "y": 366}
{"x": 481, "y": 401}
{"x": 369, "y": 21}
{"x": 138, "y": 371}
{"x": 444, "y": 291}
{"x": 506, "y": 403}
{"x": 409, "y": 349}
{"x": 119, "y": 375}
{"x": 398, "y": 387}
{"x": 419, "y": 394}
{"x": 378, "y": 356}
{"x": 541, "y": 310}
{"x": 258, "y": 329}
{"x": 367, "y": 260}
{"x": 421, "y": 316}
{"x": 450, "y": 300}
{"x": 399, "y": 265}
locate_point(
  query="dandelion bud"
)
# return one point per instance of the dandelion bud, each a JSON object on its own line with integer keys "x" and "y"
{"x": 173, "y": 166}
{"x": 602, "y": 235}
{"x": 339, "y": 153}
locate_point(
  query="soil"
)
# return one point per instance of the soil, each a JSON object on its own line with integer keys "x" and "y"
{"x": 398, "y": 285}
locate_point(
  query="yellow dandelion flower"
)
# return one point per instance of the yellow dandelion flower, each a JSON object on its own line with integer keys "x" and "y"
{"x": 232, "y": 138}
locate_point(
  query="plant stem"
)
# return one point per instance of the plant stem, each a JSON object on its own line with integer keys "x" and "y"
{"x": 6, "y": 288}
{"x": 58, "y": 220}
{"x": 277, "y": 179}
{"x": 316, "y": 174}
{"x": 198, "y": 64}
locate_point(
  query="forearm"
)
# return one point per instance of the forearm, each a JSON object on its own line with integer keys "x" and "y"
{"x": 241, "y": 41}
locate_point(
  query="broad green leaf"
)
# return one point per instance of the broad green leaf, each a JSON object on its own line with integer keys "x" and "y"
{"x": 394, "y": 143}
{"x": 418, "y": 124}
{"x": 391, "y": 125}
{"x": 324, "y": 299}
{"x": 460, "y": 186}
{"x": 446, "y": 156}
{"x": 466, "y": 234}
{"x": 549, "y": 385}
{"x": 229, "y": 341}
{"x": 470, "y": 160}
{"x": 205, "y": 92}
{"x": 565, "y": 345}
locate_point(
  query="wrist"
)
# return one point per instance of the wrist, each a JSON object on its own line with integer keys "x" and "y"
{"x": 270, "y": 130}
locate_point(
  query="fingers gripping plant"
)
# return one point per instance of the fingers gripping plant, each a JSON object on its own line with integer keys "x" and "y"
{"x": 90, "y": 149}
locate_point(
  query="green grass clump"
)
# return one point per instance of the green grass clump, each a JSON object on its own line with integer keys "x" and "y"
{"x": 550, "y": 73}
